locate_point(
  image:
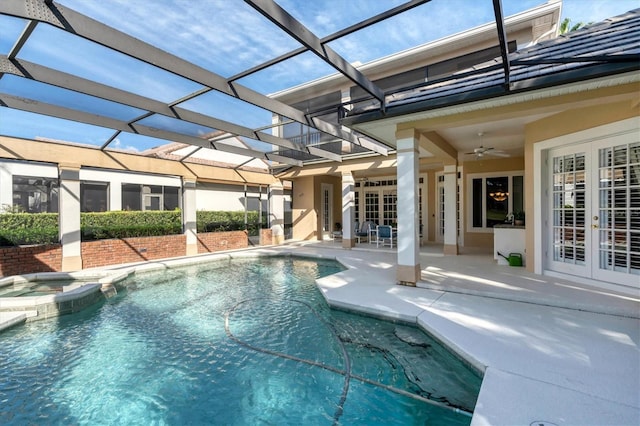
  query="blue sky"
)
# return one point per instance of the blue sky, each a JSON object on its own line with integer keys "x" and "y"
{"x": 228, "y": 36}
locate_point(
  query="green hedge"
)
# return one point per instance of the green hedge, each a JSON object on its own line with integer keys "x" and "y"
{"x": 42, "y": 228}
{"x": 126, "y": 224}
{"x": 27, "y": 228}
{"x": 215, "y": 221}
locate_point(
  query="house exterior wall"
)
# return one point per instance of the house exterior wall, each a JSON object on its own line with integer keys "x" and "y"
{"x": 9, "y": 168}
{"x": 495, "y": 166}
{"x": 92, "y": 157}
{"x": 336, "y": 212}
{"x": 217, "y": 197}
{"x": 561, "y": 125}
{"x": 304, "y": 211}
{"x": 117, "y": 178}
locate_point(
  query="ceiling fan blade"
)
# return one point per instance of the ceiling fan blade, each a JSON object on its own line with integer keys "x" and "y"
{"x": 498, "y": 154}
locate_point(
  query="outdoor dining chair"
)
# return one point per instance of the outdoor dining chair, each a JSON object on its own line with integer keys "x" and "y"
{"x": 384, "y": 236}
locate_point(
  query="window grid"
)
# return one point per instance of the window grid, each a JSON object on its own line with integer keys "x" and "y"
{"x": 325, "y": 211}
{"x": 619, "y": 208}
{"x": 569, "y": 225}
{"x": 389, "y": 207}
{"x": 371, "y": 206}
{"x": 441, "y": 204}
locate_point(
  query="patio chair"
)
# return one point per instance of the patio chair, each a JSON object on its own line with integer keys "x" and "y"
{"x": 384, "y": 236}
{"x": 365, "y": 231}
{"x": 336, "y": 234}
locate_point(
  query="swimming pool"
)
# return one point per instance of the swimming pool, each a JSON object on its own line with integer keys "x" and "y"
{"x": 242, "y": 342}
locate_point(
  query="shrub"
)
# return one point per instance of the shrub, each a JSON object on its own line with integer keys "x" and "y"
{"x": 42, "y": 228}
{"x": 125, "y": 224}
{"x": 27, "y": 228}
{"x": 219, "y": 221}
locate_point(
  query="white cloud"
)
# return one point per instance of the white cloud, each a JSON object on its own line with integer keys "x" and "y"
{"x": 118, "y": 144}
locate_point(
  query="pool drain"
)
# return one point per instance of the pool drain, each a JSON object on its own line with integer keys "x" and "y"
{"x": 542, "y": 423}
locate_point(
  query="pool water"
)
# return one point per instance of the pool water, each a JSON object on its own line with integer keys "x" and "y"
{"x": 32, "y": 289}
{"x": 245, "y": 342}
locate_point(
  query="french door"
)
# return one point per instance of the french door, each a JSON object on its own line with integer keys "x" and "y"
{"x": 326, "y": 212}
{"x": 594, "y": 210}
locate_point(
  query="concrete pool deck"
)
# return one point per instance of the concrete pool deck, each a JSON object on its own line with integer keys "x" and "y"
{"x": 552, "y": 351}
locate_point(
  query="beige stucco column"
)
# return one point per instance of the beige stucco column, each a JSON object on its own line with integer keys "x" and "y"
{"x": 348, "y": 210}
{"x": 276, "y": 212}
{"x": 69, "y": 217}
{"x": 189, "y": 226}
{"x": 450, "y": 209}
{"x": 408, "y": 269}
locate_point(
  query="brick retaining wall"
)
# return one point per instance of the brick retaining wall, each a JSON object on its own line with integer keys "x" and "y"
{"x": 48, "y": 258}
{"x": 127, "y": 250}
{"x": 30, "y": 259}
{"x": 218, "y": 241}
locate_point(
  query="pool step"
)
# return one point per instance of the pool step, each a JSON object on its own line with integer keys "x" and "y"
{"x": 17, "y": 293}
{"x": 9, "y": 319}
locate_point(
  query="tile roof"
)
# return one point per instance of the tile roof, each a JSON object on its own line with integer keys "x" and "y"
{"x": 546, "y": 64}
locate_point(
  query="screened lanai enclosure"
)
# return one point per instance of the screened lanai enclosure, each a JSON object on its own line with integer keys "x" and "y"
{"x": 205, "y": 73}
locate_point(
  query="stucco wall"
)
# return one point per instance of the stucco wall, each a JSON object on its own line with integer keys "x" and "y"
{"x": 563, "y": 124}
{"x": 230, "y": 197}
{"x": 304, "y": 214}
{"x": 336, "y": 183}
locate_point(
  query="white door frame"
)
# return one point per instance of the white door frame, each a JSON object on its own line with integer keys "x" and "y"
{"x": 326, "y": 210}
{"x": 627, "y": 129}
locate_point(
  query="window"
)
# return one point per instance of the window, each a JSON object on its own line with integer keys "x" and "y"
{"x": 171, "y": 199}
{"x": 356, "y": 206}
{"x": 389, "y": 207}
{"x": 94, "y": 196}
{"x": 149, "y": 197}
{"x": 493, "y": 198}
{"x": 371, "y": 206}
{"x": 379, "y": 201}
{"x": 35, "y": 194}
{"x": 131, "y": 197}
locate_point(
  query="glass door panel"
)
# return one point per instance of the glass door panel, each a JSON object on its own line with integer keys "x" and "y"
{"x": 618, "y": 217}
{"x": 594, "y": 216}
{"x": 568, "y": 205}
{"x": 372, "y": 206}
{"x": 389, "y": 207}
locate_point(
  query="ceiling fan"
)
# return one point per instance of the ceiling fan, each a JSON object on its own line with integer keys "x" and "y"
{"x": 481, "y": 151}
